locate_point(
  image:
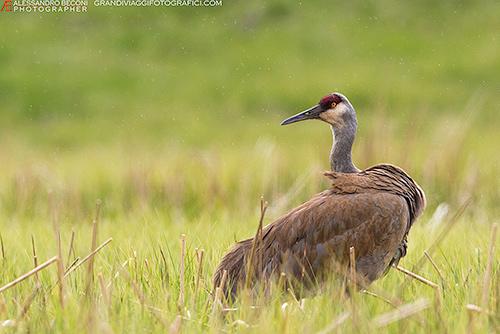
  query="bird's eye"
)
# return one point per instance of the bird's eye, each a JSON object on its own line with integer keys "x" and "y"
{"x": 333, "y": 105}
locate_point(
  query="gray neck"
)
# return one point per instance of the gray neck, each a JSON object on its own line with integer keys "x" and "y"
{"x": 340, "y": 156}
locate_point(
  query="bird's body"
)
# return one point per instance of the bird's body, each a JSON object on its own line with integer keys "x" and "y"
{"x": 371, "y": 210}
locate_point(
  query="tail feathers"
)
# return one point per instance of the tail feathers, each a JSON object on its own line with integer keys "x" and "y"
{"x": 234, "y": 263}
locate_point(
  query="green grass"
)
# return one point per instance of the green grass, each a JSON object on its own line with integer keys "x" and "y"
{"x": 171, "y": 118}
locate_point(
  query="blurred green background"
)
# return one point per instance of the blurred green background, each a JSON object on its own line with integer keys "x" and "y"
{"x": 183, "y": 105}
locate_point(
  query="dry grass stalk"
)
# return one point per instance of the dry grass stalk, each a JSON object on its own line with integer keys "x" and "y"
{"x": 57, "y": 233}
{"x": 199, "y": 273}
{"x": 282, "y": 281}
{"x": 2, "y": 248}
{"x": 402, "y": 312}
{"x": 152, "y": 308}
{"x": 71, "y": 245}
{"x": 219, "y": 294}
{"x": 75, "y": 261}
{"x": 417, "y": 277}
{"x": 466, "y": 280}
{"x": 446, "y": 229}
{"x": 163, "y": 258}
{"x": 292, "y": 294}
{"x": 352, "y": 267}
{"x": 175, "y": 327}
{"x": 95, "y": 226}
{"x": 35, "y": 257}
{"x": 257, "y": 242}
{"x": 143, "y": 299}
{"x": 285, "y": 318}
{"x": 60, "y": 268}
{"x": 86, "y": 258}
{"x": 438, "y": 293}
{"x": 229, "y": 309}
{"x": 241, "y": 323}
{"x": 448, "y": 226}
{"x": 28, "y": 274}
{"x": 216, "y": 305}
{"x": 428, "y": 256}
{"x": 3, "y": 306}
{"x": 335, "y": 323}
{"x": 470, "y": 322}
{"x": 28, "y": 302}
{"x": 180, "y": 303}
{"x": 263, "y": 209}
{"x": 438, "y": 304}
{"x": 393, "y": 300}
{"x": 104, "y": 290}
{"x": 478, "y": 309}
{"x": 373, "y": 294}
{"x": 217, "y": 297}
{"x": 472, "y": 310}
{"x": 489, "y": 266}
{"x": 295, "y": 299}
{"x": 122, "y": 267}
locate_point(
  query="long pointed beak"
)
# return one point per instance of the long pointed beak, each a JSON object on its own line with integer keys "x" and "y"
{"x": 311, "y": 113}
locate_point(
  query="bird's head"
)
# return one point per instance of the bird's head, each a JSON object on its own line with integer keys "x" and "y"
{"x": 334, "y": 109}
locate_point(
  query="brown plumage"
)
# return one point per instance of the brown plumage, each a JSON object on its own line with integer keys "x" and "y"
{"x": 371, "y": 210}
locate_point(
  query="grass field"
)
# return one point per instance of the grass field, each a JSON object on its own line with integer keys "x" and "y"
{"x": 170, "y": 119}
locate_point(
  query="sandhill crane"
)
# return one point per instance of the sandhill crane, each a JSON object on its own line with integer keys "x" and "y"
{"x": 371, "y": 210}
